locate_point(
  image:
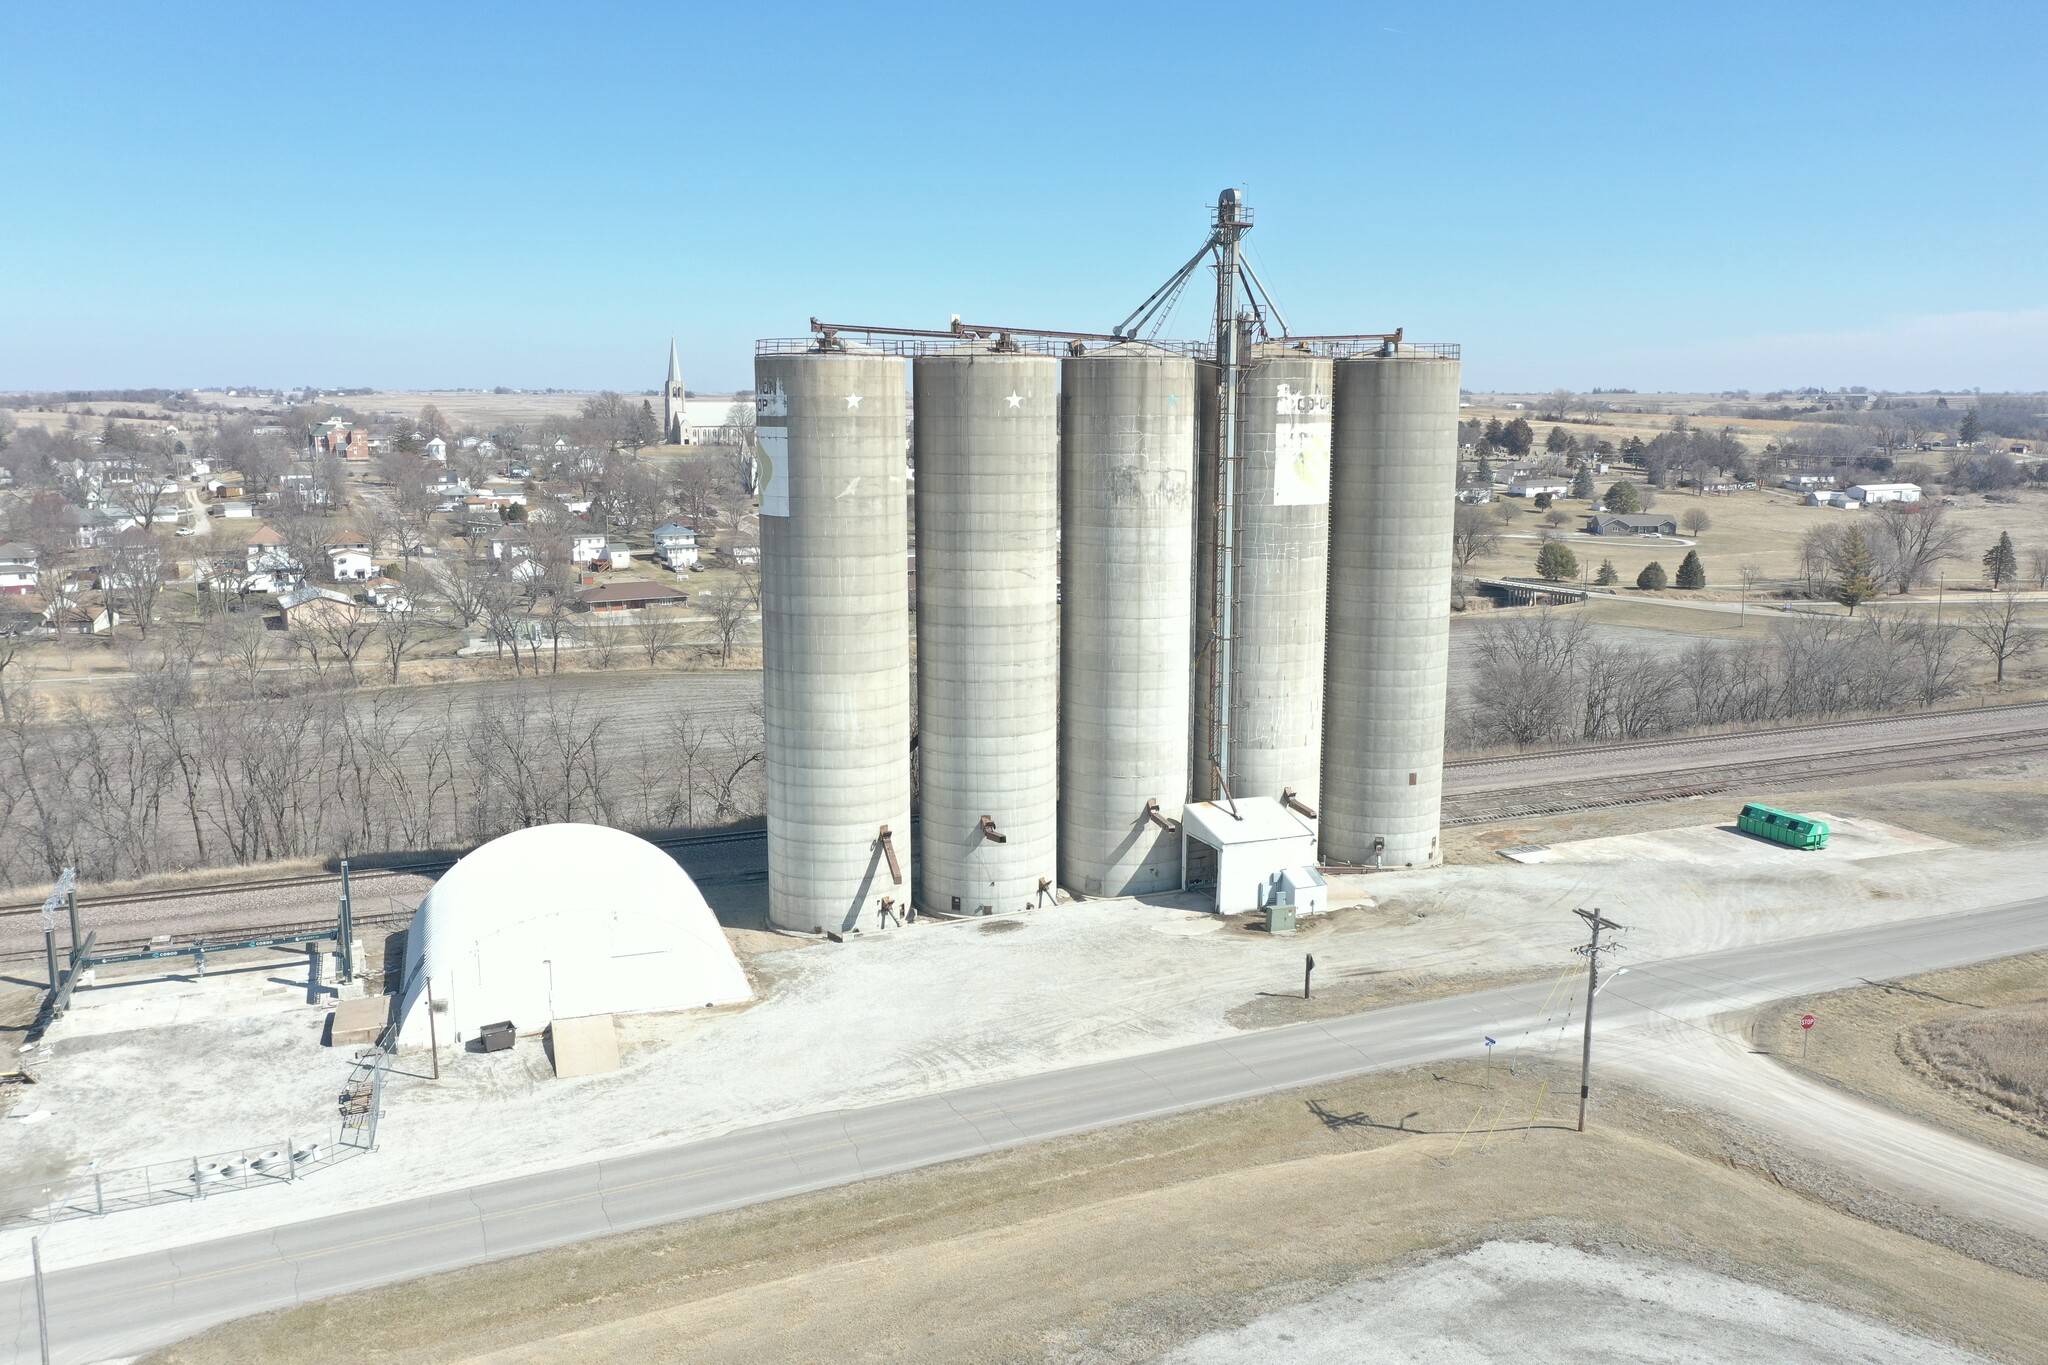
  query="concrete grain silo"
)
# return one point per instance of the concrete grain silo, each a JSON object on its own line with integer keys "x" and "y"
{"x": 1393, "y": 484}
{"x": 1280, "y": 574}
{"x": 987, "y": 629}
{"x": 1126, "y": 502}
{"x": 835, "y": 637}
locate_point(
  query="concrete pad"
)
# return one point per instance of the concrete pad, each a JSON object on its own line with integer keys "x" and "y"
{"x": 1850, "y": 839}
{"x": 1522, "y": 1301}
{"x": 588, "y": 1046}
{"x": 128, "y": 1004}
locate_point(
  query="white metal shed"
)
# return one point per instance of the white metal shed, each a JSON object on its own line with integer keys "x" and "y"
{"x": 1253, "y": 840}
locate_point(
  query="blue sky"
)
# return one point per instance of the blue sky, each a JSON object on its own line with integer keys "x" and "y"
{"x": 419, "y": 195}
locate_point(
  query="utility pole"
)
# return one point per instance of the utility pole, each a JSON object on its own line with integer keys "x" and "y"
{"x": 1592, "y": 949}
{"x": 433, "y": 1030}
{"x": 35, "y": 1251}
{"x": 345, "y": 928}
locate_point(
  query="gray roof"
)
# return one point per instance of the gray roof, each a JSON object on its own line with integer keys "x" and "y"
{"x": 298, "y": 597}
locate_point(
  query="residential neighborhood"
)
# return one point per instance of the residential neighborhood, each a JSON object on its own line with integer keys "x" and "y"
{"x": 322, "y": 522}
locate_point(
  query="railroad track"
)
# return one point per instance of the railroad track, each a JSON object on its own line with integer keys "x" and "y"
{"x": 1478, "y": 808}
{"x": 357, "y": 876}
{"x": 1692, "y": 743}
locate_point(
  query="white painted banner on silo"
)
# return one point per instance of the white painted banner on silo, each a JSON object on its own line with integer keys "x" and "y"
{"x": 1301, "y": 449}
{"x": 771, "y": 433}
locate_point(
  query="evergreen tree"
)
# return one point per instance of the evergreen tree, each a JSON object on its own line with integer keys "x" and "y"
{"x": 1970, "y": 429}
{"x": 1855, "y": 570}
{"x": 1632, "y": 450}
{"x": 2001, "y": 561}
{"x": 1518, "y": 437}
{"x": 1691, "y": 573}
{"x": 1652, "y": 578}
{"x": 1607, "y": 577}
{"x": 1491, "y": 438}
{"x": 1582, "y": 483}
{"x": 1558, "y": 441}
{"x": 1484, "y": 474}
{"x": 1623, "y": 497}
{"x": 1556, "y": 563}
{"x": 1543, "y": 501}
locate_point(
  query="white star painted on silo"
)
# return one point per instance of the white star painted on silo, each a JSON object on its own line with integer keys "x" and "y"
{"x": 1015, "y": 400}
{"x": 852, "y": 401}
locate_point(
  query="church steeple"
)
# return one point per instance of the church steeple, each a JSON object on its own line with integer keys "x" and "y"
{"x": 675, "y": 412}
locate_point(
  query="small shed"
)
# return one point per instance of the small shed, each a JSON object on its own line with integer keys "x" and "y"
{"x": 1239, "y": 849}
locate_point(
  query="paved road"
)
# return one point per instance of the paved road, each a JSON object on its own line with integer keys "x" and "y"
{"x": 127, "y": 1306}
{"x": 1930, "y": 1165}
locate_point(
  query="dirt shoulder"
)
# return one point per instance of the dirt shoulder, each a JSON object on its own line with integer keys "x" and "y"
{"x": 1115, "y": 1245}
{"x": 1860, "y": 1043}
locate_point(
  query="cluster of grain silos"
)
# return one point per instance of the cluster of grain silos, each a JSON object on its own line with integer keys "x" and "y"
{"x": 1081, "y": 528}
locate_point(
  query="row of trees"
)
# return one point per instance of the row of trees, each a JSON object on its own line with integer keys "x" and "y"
{"x": 180, "y": 772}
{"x": 1544, "y": 678}
{"x": 1556, "y": 563}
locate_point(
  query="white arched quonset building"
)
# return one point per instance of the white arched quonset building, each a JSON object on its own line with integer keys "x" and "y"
{"x": 561, "y": 922}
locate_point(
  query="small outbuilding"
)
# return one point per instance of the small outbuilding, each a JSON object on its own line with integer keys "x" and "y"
{"x": 1242, "y": 849}
{"x": 562, "y": 922}
{"x": 1868, "y": 493}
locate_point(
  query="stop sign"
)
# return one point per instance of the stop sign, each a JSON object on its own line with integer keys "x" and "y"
{"x": 1806, "y": 1021}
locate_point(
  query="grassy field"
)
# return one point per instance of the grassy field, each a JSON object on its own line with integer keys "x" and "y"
{"x": 1930, "y": 1045}
{"x": 1763, "y": 528}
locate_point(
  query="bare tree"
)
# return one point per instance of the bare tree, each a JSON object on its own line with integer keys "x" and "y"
{"x": 658, "y": 632}
{"x": 741, "y": 740}
{"x": 1913, "y": 539}
{"x": 604, "y": 633}
{"x": 14, "y": 643}
{"x": 2037, "y": 565}
{"x": 469, "y": 589}
{"x": 1998, "y": 629}
{"x": 695, "y": 485}
{"x": 346, "y": 632}
{"x": 222, "y": 573}
{"x": 136, "y": 573}
{"x": 1527, "y": 670}
{"x": 1696, "y": 521}
{"x": 400, "y": 631}
{"x": 1472, "y": 537}
{"x": 730, "y": 611}
{"x": 241, "y": 645}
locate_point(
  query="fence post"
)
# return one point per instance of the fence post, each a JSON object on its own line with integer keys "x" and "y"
{"x": 291, "y": 1166}
{"x": 99, "y": 1197}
